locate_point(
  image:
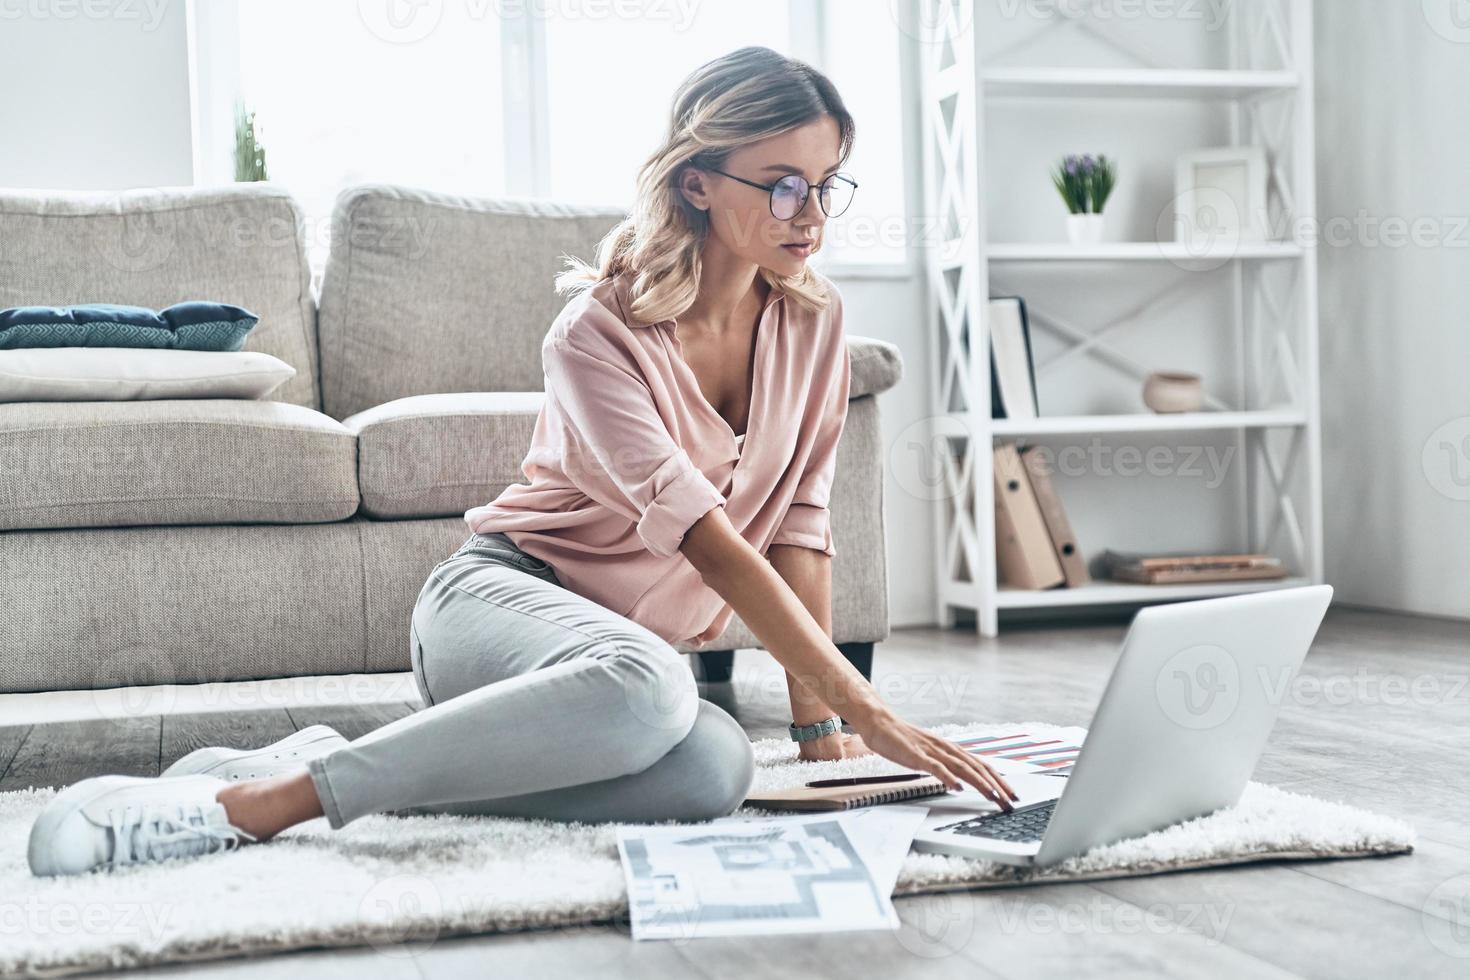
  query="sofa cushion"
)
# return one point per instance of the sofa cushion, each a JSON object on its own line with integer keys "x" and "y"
{"x": 240, "y": 244}
{"x": 194, "y": 461}
{"x": 427, "y": 292}
{"x": 439, "y": 455}
{"x": 115, "y": 374}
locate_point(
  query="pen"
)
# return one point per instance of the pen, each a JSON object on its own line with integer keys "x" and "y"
{"x": 860, "y": 780}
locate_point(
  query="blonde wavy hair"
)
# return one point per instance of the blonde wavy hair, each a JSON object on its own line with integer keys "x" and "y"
{"x": 749, "y": 94}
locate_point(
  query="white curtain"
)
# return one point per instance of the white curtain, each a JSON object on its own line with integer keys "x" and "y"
{"x": 1393, "y": 165}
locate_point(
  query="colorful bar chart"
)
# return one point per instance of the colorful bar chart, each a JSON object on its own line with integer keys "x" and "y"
{"x": 1051, "y": 755}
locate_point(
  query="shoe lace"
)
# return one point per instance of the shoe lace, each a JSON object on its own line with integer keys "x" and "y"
{"x": 157, "y": 833}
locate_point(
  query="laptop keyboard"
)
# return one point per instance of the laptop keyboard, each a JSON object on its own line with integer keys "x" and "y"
{"x": 1020, "y": 826}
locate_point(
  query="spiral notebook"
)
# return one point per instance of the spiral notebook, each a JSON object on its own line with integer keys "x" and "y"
{"x": 819, "y": 797}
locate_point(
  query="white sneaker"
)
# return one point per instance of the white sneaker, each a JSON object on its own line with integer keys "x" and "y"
{"x": 112, "y": 821}
{"x": 288, "y": 754}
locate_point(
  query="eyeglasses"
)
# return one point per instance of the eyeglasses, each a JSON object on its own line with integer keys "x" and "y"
{"x": 788, "y": 195}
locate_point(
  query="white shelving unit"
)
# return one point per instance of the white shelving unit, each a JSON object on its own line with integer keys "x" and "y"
{"x": 1271, "y": 417}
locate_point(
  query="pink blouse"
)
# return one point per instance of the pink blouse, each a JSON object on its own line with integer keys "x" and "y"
{"x": 627, "y": 454}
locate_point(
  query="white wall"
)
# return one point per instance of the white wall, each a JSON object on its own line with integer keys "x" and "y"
{"x": 96, "y": 94}
{"x": 1392, "y": 145}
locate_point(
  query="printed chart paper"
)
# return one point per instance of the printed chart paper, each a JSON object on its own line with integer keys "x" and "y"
{"x": 759, "y": 876}
{"x": 1051, "y": 755}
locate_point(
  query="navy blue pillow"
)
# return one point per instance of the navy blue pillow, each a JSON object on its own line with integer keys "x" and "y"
{"x": 183, "y": 326}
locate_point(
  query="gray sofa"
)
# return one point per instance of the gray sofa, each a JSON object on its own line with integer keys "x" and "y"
{"x": 189, "y": 541}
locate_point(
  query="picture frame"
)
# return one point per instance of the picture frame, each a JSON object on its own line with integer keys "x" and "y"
{"x": 1220, "y": 195}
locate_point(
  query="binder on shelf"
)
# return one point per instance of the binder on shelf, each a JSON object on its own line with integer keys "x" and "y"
{"x": 1024, "y": 554}
{"x": 1074, "y": 568}
{"x": 1012, "y": 371}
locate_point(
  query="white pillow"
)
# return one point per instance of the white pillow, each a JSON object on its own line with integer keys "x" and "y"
{"x": 84, "y": 374}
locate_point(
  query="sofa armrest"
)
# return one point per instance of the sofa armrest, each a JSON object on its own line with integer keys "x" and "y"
{"x": 876, "y": 365}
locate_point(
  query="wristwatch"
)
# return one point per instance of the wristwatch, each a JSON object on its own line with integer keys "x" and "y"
{"x": 806, "y": 733}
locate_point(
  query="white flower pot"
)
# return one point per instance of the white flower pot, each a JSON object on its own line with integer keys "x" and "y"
{"x": 1084, "y": 229}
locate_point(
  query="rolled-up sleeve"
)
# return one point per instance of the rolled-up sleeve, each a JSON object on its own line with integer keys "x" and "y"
{"x": 808, "y": 521}
{"x": 619, "y": 451}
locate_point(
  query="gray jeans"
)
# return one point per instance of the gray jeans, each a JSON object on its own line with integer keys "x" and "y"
{"x": 538, "y": 703}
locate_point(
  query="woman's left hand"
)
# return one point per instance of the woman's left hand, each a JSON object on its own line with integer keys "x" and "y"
{"x": 838, "y": 745}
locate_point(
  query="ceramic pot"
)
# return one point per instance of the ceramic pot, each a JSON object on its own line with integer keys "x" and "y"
{"x": 1166, "y": 392}
{"x": 1084, "y": 229}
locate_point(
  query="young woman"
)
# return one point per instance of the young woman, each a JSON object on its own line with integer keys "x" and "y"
{"x": 696, "y": 387}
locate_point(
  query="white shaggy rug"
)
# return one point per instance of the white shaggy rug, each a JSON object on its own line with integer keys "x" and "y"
{"x": 384, "y": 880}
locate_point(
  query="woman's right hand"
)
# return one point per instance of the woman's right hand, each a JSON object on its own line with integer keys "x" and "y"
{"x": 908, "y": 745}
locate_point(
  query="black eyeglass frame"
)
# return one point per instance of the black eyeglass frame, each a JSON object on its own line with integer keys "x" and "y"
{"x": 771, "y": 189}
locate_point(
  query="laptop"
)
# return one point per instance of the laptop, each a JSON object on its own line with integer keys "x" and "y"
{"x": 1182, "y": 722}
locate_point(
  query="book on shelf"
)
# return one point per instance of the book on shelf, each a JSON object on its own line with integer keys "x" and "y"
{"x": 1012, "y": 371}
{"x": 1024, "y": 555}
{"x": 1176, "y": 569}
{"x": 1058, "y": 528}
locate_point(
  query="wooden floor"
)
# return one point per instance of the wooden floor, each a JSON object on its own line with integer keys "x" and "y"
{"x": 1379, "y": 718}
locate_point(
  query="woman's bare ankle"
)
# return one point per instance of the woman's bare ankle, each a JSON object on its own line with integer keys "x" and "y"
{"x": 265, "y": 807}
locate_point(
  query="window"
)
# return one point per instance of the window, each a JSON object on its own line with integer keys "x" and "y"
{"x": 860, "y": 53}
{"x": 340, "y": 100}
{"x": 611, "y": 83}
{"x": 446, "y": 97}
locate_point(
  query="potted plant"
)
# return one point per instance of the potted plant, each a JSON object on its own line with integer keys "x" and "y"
{"x": 1085, "y": 183}
{"x": 249, "y": 154}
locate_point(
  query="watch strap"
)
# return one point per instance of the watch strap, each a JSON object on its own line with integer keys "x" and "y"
{"x": 816, "y": 730}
